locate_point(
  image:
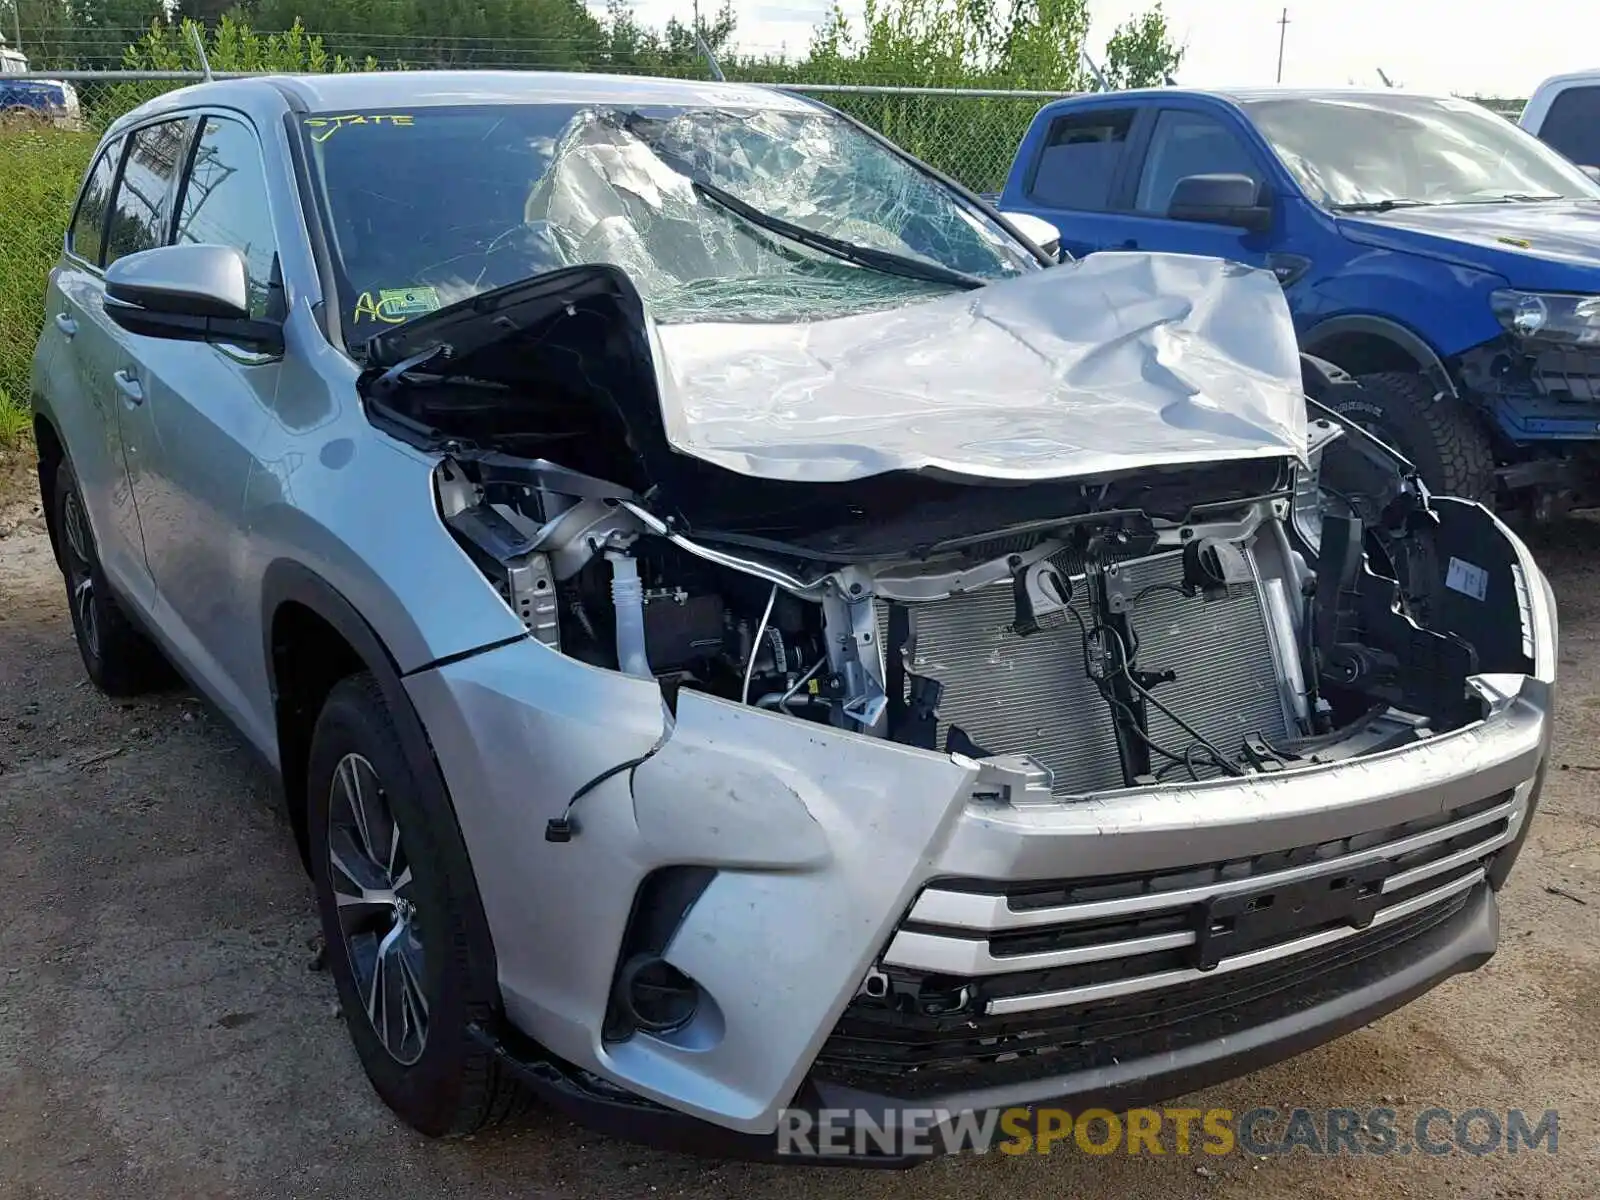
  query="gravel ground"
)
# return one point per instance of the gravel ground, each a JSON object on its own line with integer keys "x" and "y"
{"x": 162, "y": 1032}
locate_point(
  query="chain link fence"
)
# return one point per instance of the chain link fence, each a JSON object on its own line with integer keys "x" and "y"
{"x": 45, "y": 146}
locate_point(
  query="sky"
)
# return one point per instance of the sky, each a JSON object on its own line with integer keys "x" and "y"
{"x": 1431, "y": 45}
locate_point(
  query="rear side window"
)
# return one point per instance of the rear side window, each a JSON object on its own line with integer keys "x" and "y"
{"x": 87, "y": 233}
{"x": 1080, "y": 159}
{"x": 1572, "y": 126}
{"x": 142, "y": 210}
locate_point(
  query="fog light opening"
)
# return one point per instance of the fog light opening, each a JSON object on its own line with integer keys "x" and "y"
{"x": 655, "y": 996}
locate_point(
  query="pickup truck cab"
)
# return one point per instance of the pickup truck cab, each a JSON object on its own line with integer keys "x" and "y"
{"x": 1564, "y": 113}
{"x": 1445, "y": 257}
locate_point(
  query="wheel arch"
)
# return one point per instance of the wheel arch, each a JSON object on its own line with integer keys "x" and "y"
{"x": 312, "y": 638}
{"x": 50, "y": 453}
{"x": 295, "y": 601}
{"x": 1363, "y": 343}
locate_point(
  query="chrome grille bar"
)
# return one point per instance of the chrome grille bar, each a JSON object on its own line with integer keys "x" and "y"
{"x": 952, "y": 953}
{"x": 990, "y": 913}
{"x": 1090, "y": 993}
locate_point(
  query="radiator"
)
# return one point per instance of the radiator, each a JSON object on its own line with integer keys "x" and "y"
{"x": 1031, "y": 695}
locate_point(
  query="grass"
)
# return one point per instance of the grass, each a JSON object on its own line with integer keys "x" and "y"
{"x": 40, "y": 168}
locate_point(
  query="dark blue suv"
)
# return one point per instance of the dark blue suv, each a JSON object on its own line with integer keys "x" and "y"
{"x": 1429, "y": 247}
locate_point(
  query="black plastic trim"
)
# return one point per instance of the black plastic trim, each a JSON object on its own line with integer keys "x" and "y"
{"x": 1392, "y": 331}
{"x": 1470, "y": 942}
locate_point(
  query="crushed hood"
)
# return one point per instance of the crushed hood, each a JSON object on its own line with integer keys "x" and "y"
{"x": 1114, "y": 362}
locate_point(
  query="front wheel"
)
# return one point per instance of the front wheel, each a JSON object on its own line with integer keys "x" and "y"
{"x": 397, "y": 902}
{"x": 1441, "y": 436}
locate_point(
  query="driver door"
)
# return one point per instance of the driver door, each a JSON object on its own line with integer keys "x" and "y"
{"x": 1185, "y": 142}
{"x": 193, "y": 433}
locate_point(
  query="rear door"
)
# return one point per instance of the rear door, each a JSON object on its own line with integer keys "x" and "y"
{"x": 1572, "y": 126}
{"x": 193, "y": 436}
{"x": 75, "y": 368}
{"x": 1077, "y": 170}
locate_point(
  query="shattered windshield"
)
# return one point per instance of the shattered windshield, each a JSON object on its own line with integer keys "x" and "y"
{"x": 426, "y": 207}
{"x": 1361, "y": 151}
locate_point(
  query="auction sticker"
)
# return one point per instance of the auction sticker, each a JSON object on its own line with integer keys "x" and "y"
{"x": 1467, "y": 579}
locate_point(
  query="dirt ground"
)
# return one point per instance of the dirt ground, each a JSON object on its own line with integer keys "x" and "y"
{"x": 162, "y": 1032}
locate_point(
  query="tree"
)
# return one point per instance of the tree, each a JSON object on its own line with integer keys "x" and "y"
{"x": 540, "y": 34}
{"x": 105, "y": 27}
{"x": 1140, "y": 53}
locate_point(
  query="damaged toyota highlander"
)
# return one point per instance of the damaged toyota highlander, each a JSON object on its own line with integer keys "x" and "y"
{"x": 742, "y": 630}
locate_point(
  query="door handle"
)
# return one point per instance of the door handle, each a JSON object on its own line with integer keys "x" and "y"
{"x": 66, "y": 324}
{"x": 131, "y": 391}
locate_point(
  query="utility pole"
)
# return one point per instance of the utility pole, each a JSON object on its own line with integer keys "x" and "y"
{"x": 1283, "y": 29}
{"x": 16, "y": 18}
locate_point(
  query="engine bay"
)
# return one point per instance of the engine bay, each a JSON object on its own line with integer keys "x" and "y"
{"x": 1107, "y": 649}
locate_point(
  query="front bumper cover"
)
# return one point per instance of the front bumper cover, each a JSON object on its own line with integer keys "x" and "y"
{"x": 1463, "y": 943}
{"x": 819, "y": 844}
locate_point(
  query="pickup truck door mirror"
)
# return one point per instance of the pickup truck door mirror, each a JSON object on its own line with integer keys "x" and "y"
{"x": 1220, "y": 200}
{"x": 192, "y": 293}
{"x": 1592, "y": 172}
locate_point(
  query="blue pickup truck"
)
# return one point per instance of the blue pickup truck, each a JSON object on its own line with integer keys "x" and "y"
{"x": 1444, "y": 257}
{"x": 53, "y": 100}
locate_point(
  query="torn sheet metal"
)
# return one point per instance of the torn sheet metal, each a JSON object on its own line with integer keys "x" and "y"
{"x": 1115, "y": 362}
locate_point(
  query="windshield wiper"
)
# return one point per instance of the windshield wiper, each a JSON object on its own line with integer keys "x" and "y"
{"x": 1389, "y": 205}
{"x": 885, "y": 261}
{"x": 1529, "y": 197}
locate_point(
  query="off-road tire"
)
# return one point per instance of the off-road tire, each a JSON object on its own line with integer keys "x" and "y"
{"x": 118, "y": 658}
{"x": 456, "y": 1086}
{"x": 1441, "y": 436}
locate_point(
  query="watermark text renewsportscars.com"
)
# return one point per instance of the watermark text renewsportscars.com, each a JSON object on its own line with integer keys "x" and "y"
{"x": 833, "y": 1133}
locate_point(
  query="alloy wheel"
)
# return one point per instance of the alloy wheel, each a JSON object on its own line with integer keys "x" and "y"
{"x": 377, "y": 910}
{"x": 80, "y": 572}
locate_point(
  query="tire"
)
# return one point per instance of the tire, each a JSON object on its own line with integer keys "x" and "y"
{"x": 1441, "y": 436}
{"x": 119, "y": 659}
{"x": 423, "y": 1066}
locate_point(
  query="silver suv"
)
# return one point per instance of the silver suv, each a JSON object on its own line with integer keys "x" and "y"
{"x": 743, "y": 631}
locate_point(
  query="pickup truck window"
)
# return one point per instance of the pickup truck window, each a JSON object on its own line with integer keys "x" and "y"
{"x": 1189, "y": 143}
{"x": 1080, "y": 158}
{"x": 1360, "y": 151}
{"x": 1572, "y": 125}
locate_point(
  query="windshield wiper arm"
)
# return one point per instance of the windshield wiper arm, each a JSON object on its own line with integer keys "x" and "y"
{"x": 1389, "y": 205}
{"x": 886, "y": 261}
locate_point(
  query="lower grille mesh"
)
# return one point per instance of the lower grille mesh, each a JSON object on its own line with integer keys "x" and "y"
{"x": 1016, "y": 695}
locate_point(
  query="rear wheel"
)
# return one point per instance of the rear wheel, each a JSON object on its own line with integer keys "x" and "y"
{"x": 119, "y": 659}
{"x": 396, "y": 911}
{"x": 1441, "y": 436}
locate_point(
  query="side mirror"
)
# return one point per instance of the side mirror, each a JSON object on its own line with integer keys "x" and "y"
{"x": 1220, "y": 200}
{"x": 1038, "y": 231}
{"x": 1592, "y": 172}
{"x": 188, "y": 293}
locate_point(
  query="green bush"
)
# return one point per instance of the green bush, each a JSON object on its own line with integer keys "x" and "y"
{"x": 40, "y": 168}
